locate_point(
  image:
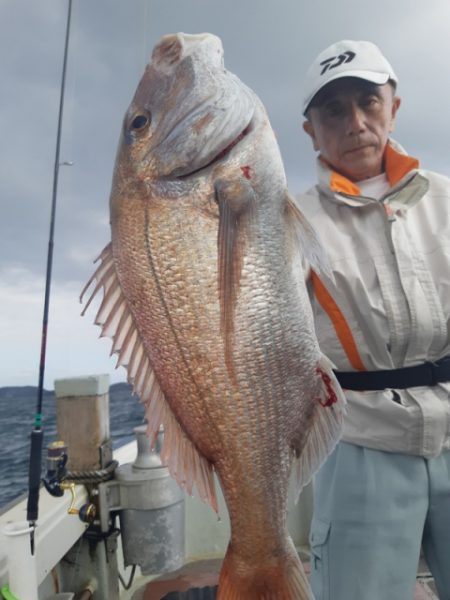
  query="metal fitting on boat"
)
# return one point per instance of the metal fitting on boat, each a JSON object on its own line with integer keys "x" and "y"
{"x": 57, "y": 480}
{"x": 150, "y": 505}
{"x": 56, "y": 468}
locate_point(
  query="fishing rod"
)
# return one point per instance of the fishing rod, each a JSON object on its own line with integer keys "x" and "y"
{"x": 37, "y": 434}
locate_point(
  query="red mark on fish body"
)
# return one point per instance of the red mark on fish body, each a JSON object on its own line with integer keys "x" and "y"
{"x": 246, "y": 171}
{"x": 331, "y": 394}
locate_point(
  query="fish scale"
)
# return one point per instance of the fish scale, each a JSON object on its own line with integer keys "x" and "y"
{"x": 179, "y": 287}
{"x": 205, "y": 301}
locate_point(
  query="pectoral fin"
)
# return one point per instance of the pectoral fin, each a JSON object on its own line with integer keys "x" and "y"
{"x": 236, "y": 200}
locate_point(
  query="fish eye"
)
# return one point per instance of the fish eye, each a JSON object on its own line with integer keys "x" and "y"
{"x": 140, "y": 121}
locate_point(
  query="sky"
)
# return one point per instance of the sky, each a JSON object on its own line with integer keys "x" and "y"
{"x": 268, "y": 44}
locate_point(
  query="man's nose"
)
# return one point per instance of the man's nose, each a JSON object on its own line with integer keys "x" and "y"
{"x": 355, "y": 120}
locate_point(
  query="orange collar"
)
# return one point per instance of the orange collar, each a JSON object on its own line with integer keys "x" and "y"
{"x": 396, "y": 166}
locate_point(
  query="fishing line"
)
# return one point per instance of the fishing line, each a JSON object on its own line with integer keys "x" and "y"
{"x": 144, "y": 37}
{"x": 37, "y": 434}
{"x": 72, "y": 93}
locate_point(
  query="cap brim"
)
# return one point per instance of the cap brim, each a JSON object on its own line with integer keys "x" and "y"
{"x": 378, "y": 78}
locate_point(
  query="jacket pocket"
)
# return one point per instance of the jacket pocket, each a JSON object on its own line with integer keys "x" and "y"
{"x": 318, "y": 539}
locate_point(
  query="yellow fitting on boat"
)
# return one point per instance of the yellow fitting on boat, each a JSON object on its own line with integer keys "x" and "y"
{"x": 69, "y": 485}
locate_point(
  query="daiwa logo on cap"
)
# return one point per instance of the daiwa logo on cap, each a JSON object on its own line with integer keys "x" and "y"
{"x": 346, "y": 57}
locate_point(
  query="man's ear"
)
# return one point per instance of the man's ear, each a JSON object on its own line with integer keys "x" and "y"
{"x": 396, "y": 101}
{"x": 308, "y": 128}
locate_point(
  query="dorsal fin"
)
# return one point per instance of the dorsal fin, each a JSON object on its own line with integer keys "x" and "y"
{"x": 305, "y": 239}
{"x": 235, "y": 199}
{"x": 186, "y": 464}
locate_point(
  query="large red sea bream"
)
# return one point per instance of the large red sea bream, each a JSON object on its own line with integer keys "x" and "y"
{"x": 205, "y": 301}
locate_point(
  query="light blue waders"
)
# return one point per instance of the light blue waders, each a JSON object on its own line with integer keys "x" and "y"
{"x": 372, "y": 511}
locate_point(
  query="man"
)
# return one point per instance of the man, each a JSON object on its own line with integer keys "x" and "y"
{"x": 384, "y": 320}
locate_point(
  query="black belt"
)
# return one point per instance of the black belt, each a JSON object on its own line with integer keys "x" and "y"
{"x": 428, "y": 373}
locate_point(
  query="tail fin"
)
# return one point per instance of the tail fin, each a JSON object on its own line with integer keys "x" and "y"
{"x": 282, "y": 577}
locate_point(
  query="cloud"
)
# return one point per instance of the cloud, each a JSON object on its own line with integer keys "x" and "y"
{"x": 73, "y": 347}
{"x": 269, "y": 45}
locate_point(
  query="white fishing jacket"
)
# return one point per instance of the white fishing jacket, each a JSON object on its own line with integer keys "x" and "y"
{"x": 389, "y": 304}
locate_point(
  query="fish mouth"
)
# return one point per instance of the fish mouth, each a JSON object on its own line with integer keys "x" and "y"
{"x": 221, "y": 154}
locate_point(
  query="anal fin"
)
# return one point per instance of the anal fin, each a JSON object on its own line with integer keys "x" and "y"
{"x": 326, "y": 428}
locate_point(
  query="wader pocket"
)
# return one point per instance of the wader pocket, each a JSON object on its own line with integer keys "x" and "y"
{"x": 318, "y": 539}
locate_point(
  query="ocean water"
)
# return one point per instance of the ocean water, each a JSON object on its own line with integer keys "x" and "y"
{"x": 17, "y": 409}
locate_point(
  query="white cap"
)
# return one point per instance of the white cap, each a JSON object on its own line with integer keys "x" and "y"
{"x": 346, "y": 59}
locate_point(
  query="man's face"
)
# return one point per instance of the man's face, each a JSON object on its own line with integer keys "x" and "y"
{"x": 350, "y": 125}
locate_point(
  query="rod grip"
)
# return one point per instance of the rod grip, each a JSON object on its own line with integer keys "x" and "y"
{"x": 34, "y": 474}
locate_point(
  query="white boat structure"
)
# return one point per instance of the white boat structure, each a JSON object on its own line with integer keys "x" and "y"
{"x": 127, "y": 531}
